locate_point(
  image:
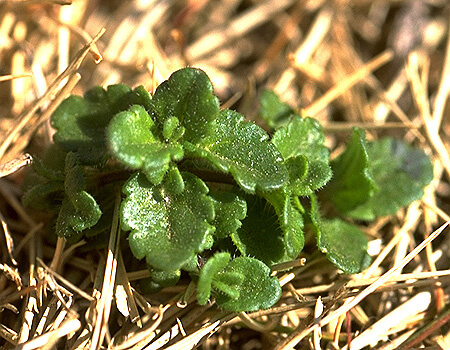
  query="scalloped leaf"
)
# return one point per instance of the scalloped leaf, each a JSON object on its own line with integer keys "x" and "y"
{"x": 188, "y": 96}
{"x": 258, "y": 290}
{"x": 301, "y": 143}
{"x": 131, "y": 141}
{"x": 81, "y": 121}
{"x": 400, "y": 173}
{"x": 242, "y": 149}
{"x": 79, "y": 210}
{"x": 230, "y": 210}
{"x": 275, "y": 112}
{"x": 352, "y": 183}
{"x": 167, "y": 227}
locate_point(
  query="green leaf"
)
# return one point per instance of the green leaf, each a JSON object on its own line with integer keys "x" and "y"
{"x": 344, "y": 244}
{"x": 131, "y": 140}
{"x": 79, "y": 209}
{"x": 270, "y": 233}
{"x": 81, "y": 122}
{"x": 301, "y": 143}
{"x": 188, "y": 96}
{"x": 400, "y": 173}
{"x": 352, "y": 183}
{"x": 290, "y": 218}
{"x": 167, "y": 227}
{"x": 212, "y": 267}
{"x": 242, "y": 148}
{"x": 275, "y": 112}
{"x": 256, "y": 291}
{"x": 166, "y": 278}
{"x": 78, "y": 212}
{"x": 230, "y": 210}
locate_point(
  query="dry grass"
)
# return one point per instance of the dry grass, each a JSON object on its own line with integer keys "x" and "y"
{"x": 383, "y": 65}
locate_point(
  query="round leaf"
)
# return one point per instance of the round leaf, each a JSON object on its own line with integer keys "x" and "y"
{"x": 168, "y": 227}
{"x": 258, "y": 290}
{"x": 131, "y": 140}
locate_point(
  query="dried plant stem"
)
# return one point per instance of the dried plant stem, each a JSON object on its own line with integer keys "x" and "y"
{"x": 296, "y": 337}
{"x": 28, "y": 114}
{"x": 345, "y": 84}
{"x": 105, "y": 302}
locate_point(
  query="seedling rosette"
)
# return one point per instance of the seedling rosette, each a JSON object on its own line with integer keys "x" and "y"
{"x": 200, "y": 184}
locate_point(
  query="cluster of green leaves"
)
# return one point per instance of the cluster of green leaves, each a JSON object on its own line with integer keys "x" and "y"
{"x": 209, "y": 193}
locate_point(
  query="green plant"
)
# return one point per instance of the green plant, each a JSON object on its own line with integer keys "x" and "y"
{"x": 206, "y": 192}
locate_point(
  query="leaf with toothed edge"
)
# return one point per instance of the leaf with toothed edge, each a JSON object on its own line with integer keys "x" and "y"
{"x": 301, "y": 142}
{"x": 169, "y": 223}
{"x": 80, "y": 122}
{"x": 242, "y": 149}
{"x": 131, "y": 140}
{"x": 187, "y": 96}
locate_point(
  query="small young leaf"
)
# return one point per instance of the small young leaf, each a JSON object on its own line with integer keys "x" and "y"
{"x": 79, "y": 210}
{"x": 81, "y": 122}
{"x": 275, "y": 112}
{"x": 258, "y": 290}
{"x": 212, "y": 267}
{"x": 352, "y": 183}
{"x": 230, "y": 210}
{"x": 242, "y": 148}
{"x": 400, "y": 173}
{"x": 301, "y": 143}
{"x": 131, "y": 140}
{"x": 272, "y": 234}
{"x": 167, "y": 227}
{"x": 290, "y": 218}
{"x": 188, "y": 96}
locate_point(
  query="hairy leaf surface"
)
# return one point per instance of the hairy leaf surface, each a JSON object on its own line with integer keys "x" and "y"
{"x": 230, "y": 210}
{"x": 131, "y": 140}
{"x": 168, "y": 227}
{"x": 271, "y": 233}
{"x": 188, "y": 96}
{"x": 352, "y": 183}
{"x": 242, "y": 148}
{"x": 301, "y": 142}
{"x": 258, "y": 290}
{"x": 212, "y": 267}
{"x": 79, "y": 209}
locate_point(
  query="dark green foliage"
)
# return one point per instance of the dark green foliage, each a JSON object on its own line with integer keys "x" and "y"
{"x": 352, "y": 183}
{"x": 168, "y": 226}
{"x": 275, "y": 112}
{"x": 242, "y": 284}
{"x": 81, "y": 121}
{"x": 400, "y": 173}
{"x": 212, "y": 194}
{"x": 244, "y": 150}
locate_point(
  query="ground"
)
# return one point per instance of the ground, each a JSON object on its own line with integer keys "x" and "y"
{"x": 383, "y": 65}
